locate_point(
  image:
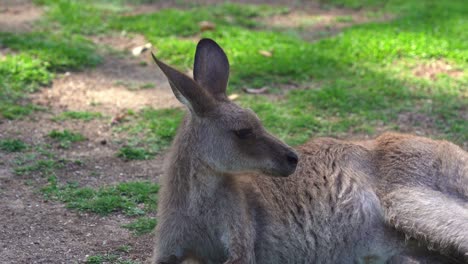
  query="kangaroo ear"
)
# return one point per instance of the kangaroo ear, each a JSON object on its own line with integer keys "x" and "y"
{"x": 211, "y": 68}
{"x": 187, "y": 91}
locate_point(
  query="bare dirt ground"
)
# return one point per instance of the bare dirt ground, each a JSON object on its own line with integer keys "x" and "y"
{"x": 18, "y": 15}
{"x": 112, "y": 87}
{"x": 431, "y": 69}
{"x": 33, "y": 230}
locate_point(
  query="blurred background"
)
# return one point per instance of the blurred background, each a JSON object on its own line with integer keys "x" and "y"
{"x": 86, "y": 117}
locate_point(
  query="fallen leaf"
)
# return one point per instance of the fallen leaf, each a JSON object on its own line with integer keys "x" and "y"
{"x": 233, "y": 97}
{"x": 118, "y": 118}
{"x": 206, "y": 25}
{"x": 265, "y": 53}
{"x": 140, "y": 49}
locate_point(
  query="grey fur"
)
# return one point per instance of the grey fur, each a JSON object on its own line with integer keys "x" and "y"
{"x": 389, "y": 200}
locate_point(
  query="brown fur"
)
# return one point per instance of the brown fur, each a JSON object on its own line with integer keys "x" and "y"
{"x": 381, "y": 201}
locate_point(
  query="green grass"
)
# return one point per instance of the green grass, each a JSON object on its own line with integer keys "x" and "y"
{"x": 146, "y": 86}
{"x": 78, "y": 115}
{"x": 357, "y": 91}
{"x": 356, "y": 4}
{"x": 58, "y": 51}
{"x": 101, "y": 259}
{"x": 38, "y": 57}
{"x": 86, "y": 17}
{"x": 66, "y": 137}
{"x": 344, "y": 19}
{"x": 21, "y": 74}
{"x": 142, "y": 225}
{"x": 132, "y": 86}
{"x": 131, "y": 153}
{"x": 16, "y": 110}
{"x": 40, "y": 160}
{"x": 174, "y": 22}
{"x": 131, "y": 198}
{"x": 44, "y": 167}
{"x": 148, "y": 132}
{"x": 12, "y": 145}
{"x": 352, "y": 81}
{"x": 108, "y": 259}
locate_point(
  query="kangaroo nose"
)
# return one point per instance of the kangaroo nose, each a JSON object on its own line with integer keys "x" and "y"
{"x": 292, "y": 158}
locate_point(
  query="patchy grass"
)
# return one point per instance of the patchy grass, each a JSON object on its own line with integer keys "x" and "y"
{"x": 16, "y": 110}
{"x": 57, "y": 51}
{"x": 174, "y": 22}
{"x": 146, "y": 86}
{"x": 24, "y": 73}
{"x": 101, "y": 259}
{"x": 41, "y": 161}
{"x": 129, "y": 153}
{"x": 131, "y": 198}
{"x": 142, "y": 225}
{"x": 132, "y": 86}
{"x": 20, "y": 74}
{"x": 149, "y": 131}
{"x": 66, "y": 137}
{"x": 43, "y": 167}
{"x": 344, "y": 19}
{"x": 108, "y": 259}
{"x": 357, "y": 92}
{"x": 83, "y": 17}
{"x": 12, "y": 145}
{"x": 124, "y": 248}
{"x": 77, "y": 115}
{"x": 356, "y": 4}
{"x": 38, "y": 56}
{"x": 357, "y": 89}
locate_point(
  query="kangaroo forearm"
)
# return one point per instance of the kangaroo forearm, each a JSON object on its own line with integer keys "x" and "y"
{"x": 429, "y": 216}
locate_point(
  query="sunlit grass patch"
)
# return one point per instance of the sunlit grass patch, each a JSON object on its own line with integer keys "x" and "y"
{"x": 57, "y": 51}
{"x": 38, "y": 57}
{"x": 23, "y": 73}
{"x": 87, "y": 17}
{"x": 20, "y": 74}
{"x": 174, "y": 22}
{"x": 131, "y": 198}
{"x": 358, "y": 89}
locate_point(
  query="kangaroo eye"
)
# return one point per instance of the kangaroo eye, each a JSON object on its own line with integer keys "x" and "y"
{"x": 244, "y": 133}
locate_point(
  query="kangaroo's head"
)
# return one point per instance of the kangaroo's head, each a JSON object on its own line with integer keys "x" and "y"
{"x": 228, "y": 138}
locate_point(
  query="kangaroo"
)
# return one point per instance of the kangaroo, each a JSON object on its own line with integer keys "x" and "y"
{"x": 233, "y": 193}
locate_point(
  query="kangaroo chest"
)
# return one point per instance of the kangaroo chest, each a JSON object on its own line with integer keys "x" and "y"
{"x": 350, "y": 232}
{"x": 325, "y": 214}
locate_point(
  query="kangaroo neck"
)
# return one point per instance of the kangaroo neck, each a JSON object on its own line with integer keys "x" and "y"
{"x": 187, "y": 178}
